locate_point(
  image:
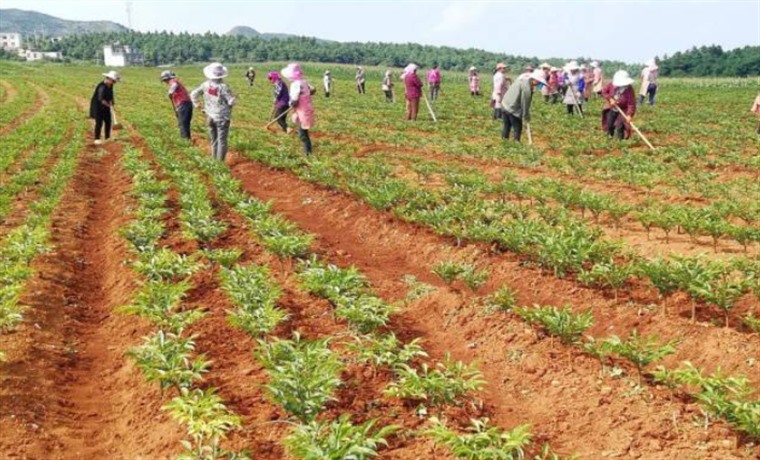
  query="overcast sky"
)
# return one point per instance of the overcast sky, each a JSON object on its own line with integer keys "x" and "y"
{"x": 632, "y": 31}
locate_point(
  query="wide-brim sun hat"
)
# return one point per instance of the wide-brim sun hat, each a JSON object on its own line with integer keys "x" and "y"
{"x": 215, "y": 71}
{"x": 112, "y": 75}
{"x": 554, "y": 69}
{"x": 572, "y": 65}
{"x": 621, "y": 78}
{"x": 291, "y": 71}
{"x": 595, "y": 64}
{"x": 473, "y": 68}
{"x": 412, "y": 67}
{"x": 538, "y": 75}
{"x": 500, "y": 66}
{"x": 166, "y": 75}
{"x": 546, "y": 65}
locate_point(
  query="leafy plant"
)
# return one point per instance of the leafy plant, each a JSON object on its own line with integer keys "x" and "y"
{"x": 448, "y": 271}
{"x": 504, "y": 299}
{"x": 386, "y": 350}
{"x": 338, "y": 440}
{"x": 164, "y": 264}
{"x": 208, "y": 421}
{"x": 641, "y": 351}
{"x": 482, "y": 442}
{"x": 166, "y": 358}
{"x": 445, "y": 383}
{"x": 563, "y": 323}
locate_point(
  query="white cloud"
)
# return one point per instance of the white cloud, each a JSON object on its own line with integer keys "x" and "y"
{"x": 459, "y": 14}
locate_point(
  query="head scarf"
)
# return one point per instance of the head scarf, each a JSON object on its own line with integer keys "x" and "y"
{"x": 292, "y": 72}
{"x": 273, "y": 76}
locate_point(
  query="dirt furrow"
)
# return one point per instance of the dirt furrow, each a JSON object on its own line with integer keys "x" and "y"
{"x": 567, "y": 403}
{"x": 67, "y": 362}
{"x": 40, "y": 101}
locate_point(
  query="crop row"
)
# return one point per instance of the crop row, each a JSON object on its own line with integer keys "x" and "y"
{"x": 26, "y": 94}
{"x": 23, "y": 243}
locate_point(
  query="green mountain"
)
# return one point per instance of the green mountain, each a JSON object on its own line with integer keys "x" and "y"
{"x": 250, "y": 32}
{"x": 32, "y": 22}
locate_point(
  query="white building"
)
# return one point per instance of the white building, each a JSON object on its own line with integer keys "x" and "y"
{"x": 117, "y": 55}
{"x": 10, "y": 40}
{"x": 40, "y": 55}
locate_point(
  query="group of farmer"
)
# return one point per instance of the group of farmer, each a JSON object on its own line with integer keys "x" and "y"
{"x": 573, "y": 84}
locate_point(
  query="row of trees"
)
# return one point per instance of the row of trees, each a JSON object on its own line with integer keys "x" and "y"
{"x": 713, "y": 61}
{"x": 185, "y": 48}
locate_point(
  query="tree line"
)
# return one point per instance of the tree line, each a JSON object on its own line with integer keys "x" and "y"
{"x": 160, "y": 48}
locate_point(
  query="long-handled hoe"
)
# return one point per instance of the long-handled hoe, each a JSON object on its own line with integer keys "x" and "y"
{"x": 430, "y": 109}
{"x": 630, "y": 122}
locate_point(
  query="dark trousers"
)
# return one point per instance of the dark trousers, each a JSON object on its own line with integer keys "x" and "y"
{"x": 305, "y": 140}
{"x": 511, "y": 122}
{"x": 388, "y": 95}
{"x": 103, "y": 118}
{"x": 434, "y": 89}
{"x": 360, "y": 87}
{"x": 612, "y": 131}
{"x": 497, "y": 114}
{"x": 281, "y": 120}
{"x": 184, "y": 116}
{"x": 327, "y": 93}
{"x": 758, "y": 129}
{"x": 571, "y": 109}
{"x": 651, "y": 92}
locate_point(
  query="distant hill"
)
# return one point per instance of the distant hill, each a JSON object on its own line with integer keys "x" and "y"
{"x": 250, "y": 32}
{"x": 31, "y": 22}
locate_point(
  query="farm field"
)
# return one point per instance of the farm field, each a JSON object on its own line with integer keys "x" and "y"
{"x": 419, "y": 290}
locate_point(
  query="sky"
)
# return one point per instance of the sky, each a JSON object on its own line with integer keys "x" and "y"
{"x": 631, "y": 31}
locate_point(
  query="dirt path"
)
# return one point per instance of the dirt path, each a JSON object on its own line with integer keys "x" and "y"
{"x": 555, "y": 388}
{"x": 42, "y": 100}
{"x": 10, "y": 93}
{"x": 67, "y": 391}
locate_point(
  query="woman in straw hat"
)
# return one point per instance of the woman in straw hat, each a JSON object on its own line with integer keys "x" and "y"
{"x": 387, "y": 85}
{"x": 281, "y": 99}
{"x": 101, "y": 103}
{"x": 648, "y": 82}
{"x": 517, "y": 101}
{"x": 474, "y": 80}
{"x": 618, "y": 96}
{"x": 597, "y": 78}
{"x": 218, "y": 101}
{"x": 500, "y": 87}
{"x": 412, "y": 91}
{"x": 300, "y": 100}
{"x": 183, "y": 106}
{"x": 574, "y": 92}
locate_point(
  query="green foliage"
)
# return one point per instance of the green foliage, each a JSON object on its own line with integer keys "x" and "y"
{"x": 563, "y": 323}
{"x": 208, "y": 422}
{"x": 641, "y": 351}
{"x": 482, "y": 442}
{"x": 303, "y": 375}
{"x": 166, "y": 358}
{"x": 338, "y": 440}
{"x": 449, "y": 271}
{"x": 386, "y": 350}
{"x": 255, "y": 295}
{"x": 165, "y": 265}
{"x": 159, "y": 302}
{"x": 503, "y": 299}
{"x": 446, "y": 383}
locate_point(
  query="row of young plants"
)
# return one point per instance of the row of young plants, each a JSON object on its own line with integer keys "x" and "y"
{"x": 168, "y": 356}
{"x": 549, "y": 236}
{"x": 305, "y": 373}
{"x": 25, "y": 96}
{"x": 29, "y": 174}
{"x": 23, "y": 243}
{"x": 726, "y": 397}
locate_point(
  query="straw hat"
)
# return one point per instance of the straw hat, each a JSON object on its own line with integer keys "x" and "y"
{"x": 327, "y": 72}
{"x": 546, "y": 65}
{"x": 112, "y": 75}
{"x": 215, "y": 71}
{"x": 292, "y": 71}
{"x": 473, "y": 68}
{"x": 501, "y": 66}
{"x": 538, "y": 75}
{"x": 621, "y": 78}
{"x": 167, "y": 75}
{"x": 595, "y": 64}
{"x": 572, "y": 65}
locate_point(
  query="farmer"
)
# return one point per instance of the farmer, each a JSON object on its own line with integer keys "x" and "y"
{"x": 281, "y": 99}
{"x": 554, "y": 86}
{"x": 575, "y": 85}
{"x": 360, "y": 79}
{"x": 500, "y": 86}
{"x": 648, "y": 82}
{"x": 433, "y": 78}
{"x": 218, "y": 101}
{"x": 388, "y": 86}
{"x": 618, "y": 96}
{"x": 546, "y": 90}
{"x": 474, "y": 82}
{"x": 183, "y": 106}
{"x": 516, "y": 103}
{"x": 101, "y": 104}
{"x": 597, "y": 81}
{"x": 756, "y": 109}
{"x": 327, "y": 83}
{"x": 588, "y": 77}
{"x": 250, "y": 75}
{"x": 300, "y": 101}
{"x": 413, "y": 91}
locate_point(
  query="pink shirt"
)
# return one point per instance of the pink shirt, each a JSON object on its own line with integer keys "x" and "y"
{"x": 434, "y": 76}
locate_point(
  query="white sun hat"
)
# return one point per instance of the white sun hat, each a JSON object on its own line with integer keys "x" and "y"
{"x": 621, "y": 78}
{"x": 572, "y": 65}
{"x": 113, "y": 75}
{"x": 595, "y": 64}
{"x": 546, "y": 65}
{"x": 215, "y": 71}
{"x": 538, "y": 75}
{"x": 473, "y": 68}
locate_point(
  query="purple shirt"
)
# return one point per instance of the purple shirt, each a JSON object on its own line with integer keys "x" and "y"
{"x": 281, "y": 95}
{"x": 413, "y": 86}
